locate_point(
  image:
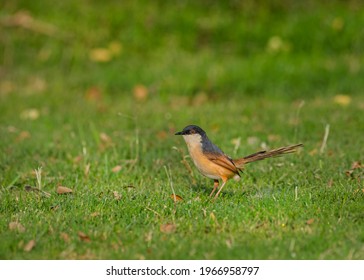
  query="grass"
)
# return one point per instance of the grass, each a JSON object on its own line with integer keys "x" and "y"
{"x": 255, "y": 75}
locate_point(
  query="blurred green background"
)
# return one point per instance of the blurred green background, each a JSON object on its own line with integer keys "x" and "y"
{"x": 290, "y": 49}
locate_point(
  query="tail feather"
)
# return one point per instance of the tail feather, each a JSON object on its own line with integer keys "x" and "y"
{"x": 266, "y": 154}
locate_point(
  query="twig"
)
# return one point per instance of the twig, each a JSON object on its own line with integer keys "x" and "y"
{"x": 155, "y": 212}
{"x": 324, "y": 141}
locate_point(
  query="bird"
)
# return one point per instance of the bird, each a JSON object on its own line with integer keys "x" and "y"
{"x": 213, "y": 163}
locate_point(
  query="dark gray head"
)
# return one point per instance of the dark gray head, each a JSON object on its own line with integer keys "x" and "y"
{"x": 192, "y": 129}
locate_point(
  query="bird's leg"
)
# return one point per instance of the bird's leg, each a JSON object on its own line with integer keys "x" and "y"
{"x": 216, "y": 184}
{"x": 224, "y": 180}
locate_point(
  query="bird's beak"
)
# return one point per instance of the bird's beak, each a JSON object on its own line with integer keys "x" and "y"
{"x": 178, "y": 133}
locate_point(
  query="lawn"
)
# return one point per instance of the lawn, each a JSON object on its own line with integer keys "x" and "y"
{"x": 91, "y": 94}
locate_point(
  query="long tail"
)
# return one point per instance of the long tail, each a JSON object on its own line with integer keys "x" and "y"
{"x": 266, "y": 154}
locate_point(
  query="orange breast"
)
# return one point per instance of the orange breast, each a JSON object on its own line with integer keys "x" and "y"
{"x": 206, "y": 166}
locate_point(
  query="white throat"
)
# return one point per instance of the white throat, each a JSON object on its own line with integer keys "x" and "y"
{"x": 193, "y": 141}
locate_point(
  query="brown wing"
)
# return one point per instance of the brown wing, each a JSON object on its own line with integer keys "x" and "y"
{"x": 223, "y": 161}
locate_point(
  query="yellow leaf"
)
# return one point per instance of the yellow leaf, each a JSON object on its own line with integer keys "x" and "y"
{"x": 100, "y": 55}
{"x": 342, "y": 99}
{"x": 30, "y": 114}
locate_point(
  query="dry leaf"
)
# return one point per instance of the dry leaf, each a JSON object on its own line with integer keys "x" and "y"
{"x": 95, "y": 214}
{"x": 66, "y": 238}
{"x": 116, "y": 169}
{"x": 342, "y": 99}
{"x": 93, "y": 94}
{"x": 176, "y": 197}
{"x": 84, "y": 237}
{"x": 117, "y": 196}
{"x": 30, "y": 114}
{"x": 63, "y": 190}
{"x": 140, "y": 93}
{"x": 22, "y": 136}
{"x": 87, "y": 169}
{"x": 100, "y": 55}
{"x": 29, "y": 246}
{"x": 16, "y": 226}
{"x": 168, "y": 228}
{"x": 310, "y": 221}
{"x": 356, "y": 165}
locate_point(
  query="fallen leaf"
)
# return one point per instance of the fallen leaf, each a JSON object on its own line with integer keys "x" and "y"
{"x": 84, "y": 237}
{"x": 30, "y": 114}
{"x": 117, "y": 196}
{"x": 22, "y": 136}
{"x": 95, "y": 214}
{"x": 100, "y": 55}
{"x": 16, "y": 226}
{"x": 342, "y": 99}
{"x": 63, "y": 190}
{"x": 66, "y": 238}
{"x": 168, "y": 228}
{"x": 116, "y": 169}
{"x": 140, "y": 93}
{"x": 176, "y": 197}
{"x": 356, "y": 165}
{"x": 93, "y": 94}
{"x": 29, "y": 246}
{"x": 310, "y": 221}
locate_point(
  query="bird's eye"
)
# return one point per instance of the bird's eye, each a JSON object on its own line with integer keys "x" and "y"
{"x": 192, "y": 131}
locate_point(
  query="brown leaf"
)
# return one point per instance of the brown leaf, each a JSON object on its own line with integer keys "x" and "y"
{"x": 176, "y": 197}
{"x": 140, "y": 93}
{"x": 93, "y": 94}
{"x": 310, "y": 221}
{"x": 168, "y": 228}
{"x": 66, "y": 238}
{"x": 63, "y": 190}
{"x": 84, "y": 237}
{"x": 16, "y": 226}
{"x": 117, "y": 196}
{"x": 22, "y": 136}
{"x": 95, "y": 214}
{"x": 116, "y": 169}
{"x": 356, "y": 165}
{"x": 29, "y": 246}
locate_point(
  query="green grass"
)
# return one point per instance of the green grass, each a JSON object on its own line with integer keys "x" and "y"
{"x": 206, "y": 64}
